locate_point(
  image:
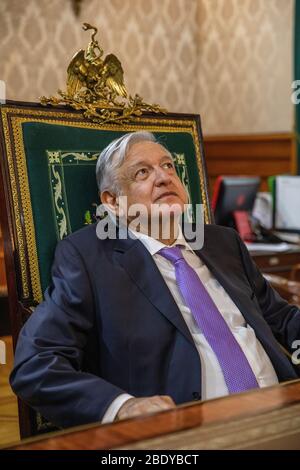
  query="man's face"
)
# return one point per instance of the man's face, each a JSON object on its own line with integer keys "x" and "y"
{"x": 148, "y": 177}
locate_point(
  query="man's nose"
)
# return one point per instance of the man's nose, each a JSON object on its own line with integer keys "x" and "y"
{"x": 161, "y": 176}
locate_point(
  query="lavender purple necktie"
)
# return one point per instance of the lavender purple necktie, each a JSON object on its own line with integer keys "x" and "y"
{"x": 237, "y": 372}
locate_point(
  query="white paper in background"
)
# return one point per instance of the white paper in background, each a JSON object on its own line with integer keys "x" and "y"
{"x": 287, "y": 214}
{"x": 269, "y": 247}
{"x": 263, "y": 209}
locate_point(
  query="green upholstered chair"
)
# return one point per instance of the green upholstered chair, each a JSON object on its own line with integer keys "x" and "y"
{"x": 48, "y": 190}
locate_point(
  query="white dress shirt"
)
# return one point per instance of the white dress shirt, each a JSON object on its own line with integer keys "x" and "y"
{"x": 213, "y": 382}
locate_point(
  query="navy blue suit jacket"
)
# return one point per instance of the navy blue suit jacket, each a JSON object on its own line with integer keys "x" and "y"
{"x": 110, "y": 325}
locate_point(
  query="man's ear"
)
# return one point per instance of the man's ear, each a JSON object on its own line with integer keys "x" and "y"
{"x": 110, "y": 200}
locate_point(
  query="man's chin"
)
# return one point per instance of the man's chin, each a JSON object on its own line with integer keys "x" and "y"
{"x": 170, "y": 209}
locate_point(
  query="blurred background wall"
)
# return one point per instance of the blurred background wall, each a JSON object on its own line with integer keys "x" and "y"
{"x": 229, "y": 60}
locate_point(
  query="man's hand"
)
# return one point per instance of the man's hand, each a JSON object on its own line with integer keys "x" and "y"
{"x": 140, "y": 406}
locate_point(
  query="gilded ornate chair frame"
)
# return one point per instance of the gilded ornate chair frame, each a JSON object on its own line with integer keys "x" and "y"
{"x": 16, "y": 217}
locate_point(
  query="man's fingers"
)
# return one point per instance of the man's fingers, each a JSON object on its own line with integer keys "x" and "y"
{"x": 168, "y": 399}
{"x": 139, "y": 406}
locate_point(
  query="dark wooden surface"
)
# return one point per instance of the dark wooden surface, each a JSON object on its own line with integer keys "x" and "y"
{"x": 280, "y": 264}
{"x": 261, "y": 155}
{"x": 266, "y": 415}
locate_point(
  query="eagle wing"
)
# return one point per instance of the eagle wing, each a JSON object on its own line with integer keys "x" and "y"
{"x": 114, "y": 75}
{"x": 76, "y": 73}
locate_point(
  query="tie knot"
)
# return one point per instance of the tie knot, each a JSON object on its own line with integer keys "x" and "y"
{"x": 172, "y": 254}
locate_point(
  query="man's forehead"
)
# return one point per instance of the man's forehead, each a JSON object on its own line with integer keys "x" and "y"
{"x": 147, "y": 149}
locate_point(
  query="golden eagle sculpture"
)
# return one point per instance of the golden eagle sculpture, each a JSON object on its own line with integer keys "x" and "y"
{"x": 96, "y": 86}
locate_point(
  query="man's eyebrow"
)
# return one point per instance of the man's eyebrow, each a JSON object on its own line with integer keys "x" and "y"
{"x": 145, "y": 163}
{"x": 137, "y": 164}
{"x": 167, "y": 155}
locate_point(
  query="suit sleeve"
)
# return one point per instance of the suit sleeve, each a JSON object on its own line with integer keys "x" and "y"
{"x": 283, "y": 318}
{"x": 48, "y": 371}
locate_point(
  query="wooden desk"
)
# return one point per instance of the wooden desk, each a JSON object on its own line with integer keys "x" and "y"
{"x": 260, "y": 419}
{"x": 280, "y": 264}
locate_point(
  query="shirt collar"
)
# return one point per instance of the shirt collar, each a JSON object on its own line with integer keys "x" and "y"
{"x": 154, "y": 246}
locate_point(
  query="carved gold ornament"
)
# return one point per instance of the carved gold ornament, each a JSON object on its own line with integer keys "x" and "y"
{"x": 96, "y": 86}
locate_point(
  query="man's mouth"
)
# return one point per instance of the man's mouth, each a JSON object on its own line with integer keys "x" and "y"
{"x": 169, "y": 193}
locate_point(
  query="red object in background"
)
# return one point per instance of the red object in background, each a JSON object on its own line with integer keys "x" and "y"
{"x": 242, "y": 223}
{"x": 241, "y": 200}
{"x": 232, "y": 203}
{"x": 216, "y": 192}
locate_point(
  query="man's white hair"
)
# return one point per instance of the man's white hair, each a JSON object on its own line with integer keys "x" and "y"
{"x": 113, "y": 156}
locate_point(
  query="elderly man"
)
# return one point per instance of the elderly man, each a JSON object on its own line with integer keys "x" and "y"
{"x": 138, "y": 324}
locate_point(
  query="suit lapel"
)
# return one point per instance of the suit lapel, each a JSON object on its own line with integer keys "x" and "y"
{"x": 141, "y": 268}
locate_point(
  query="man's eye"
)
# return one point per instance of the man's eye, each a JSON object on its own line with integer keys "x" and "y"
{"x": 168, "y": 165}
{"x": 141, "y": 173}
